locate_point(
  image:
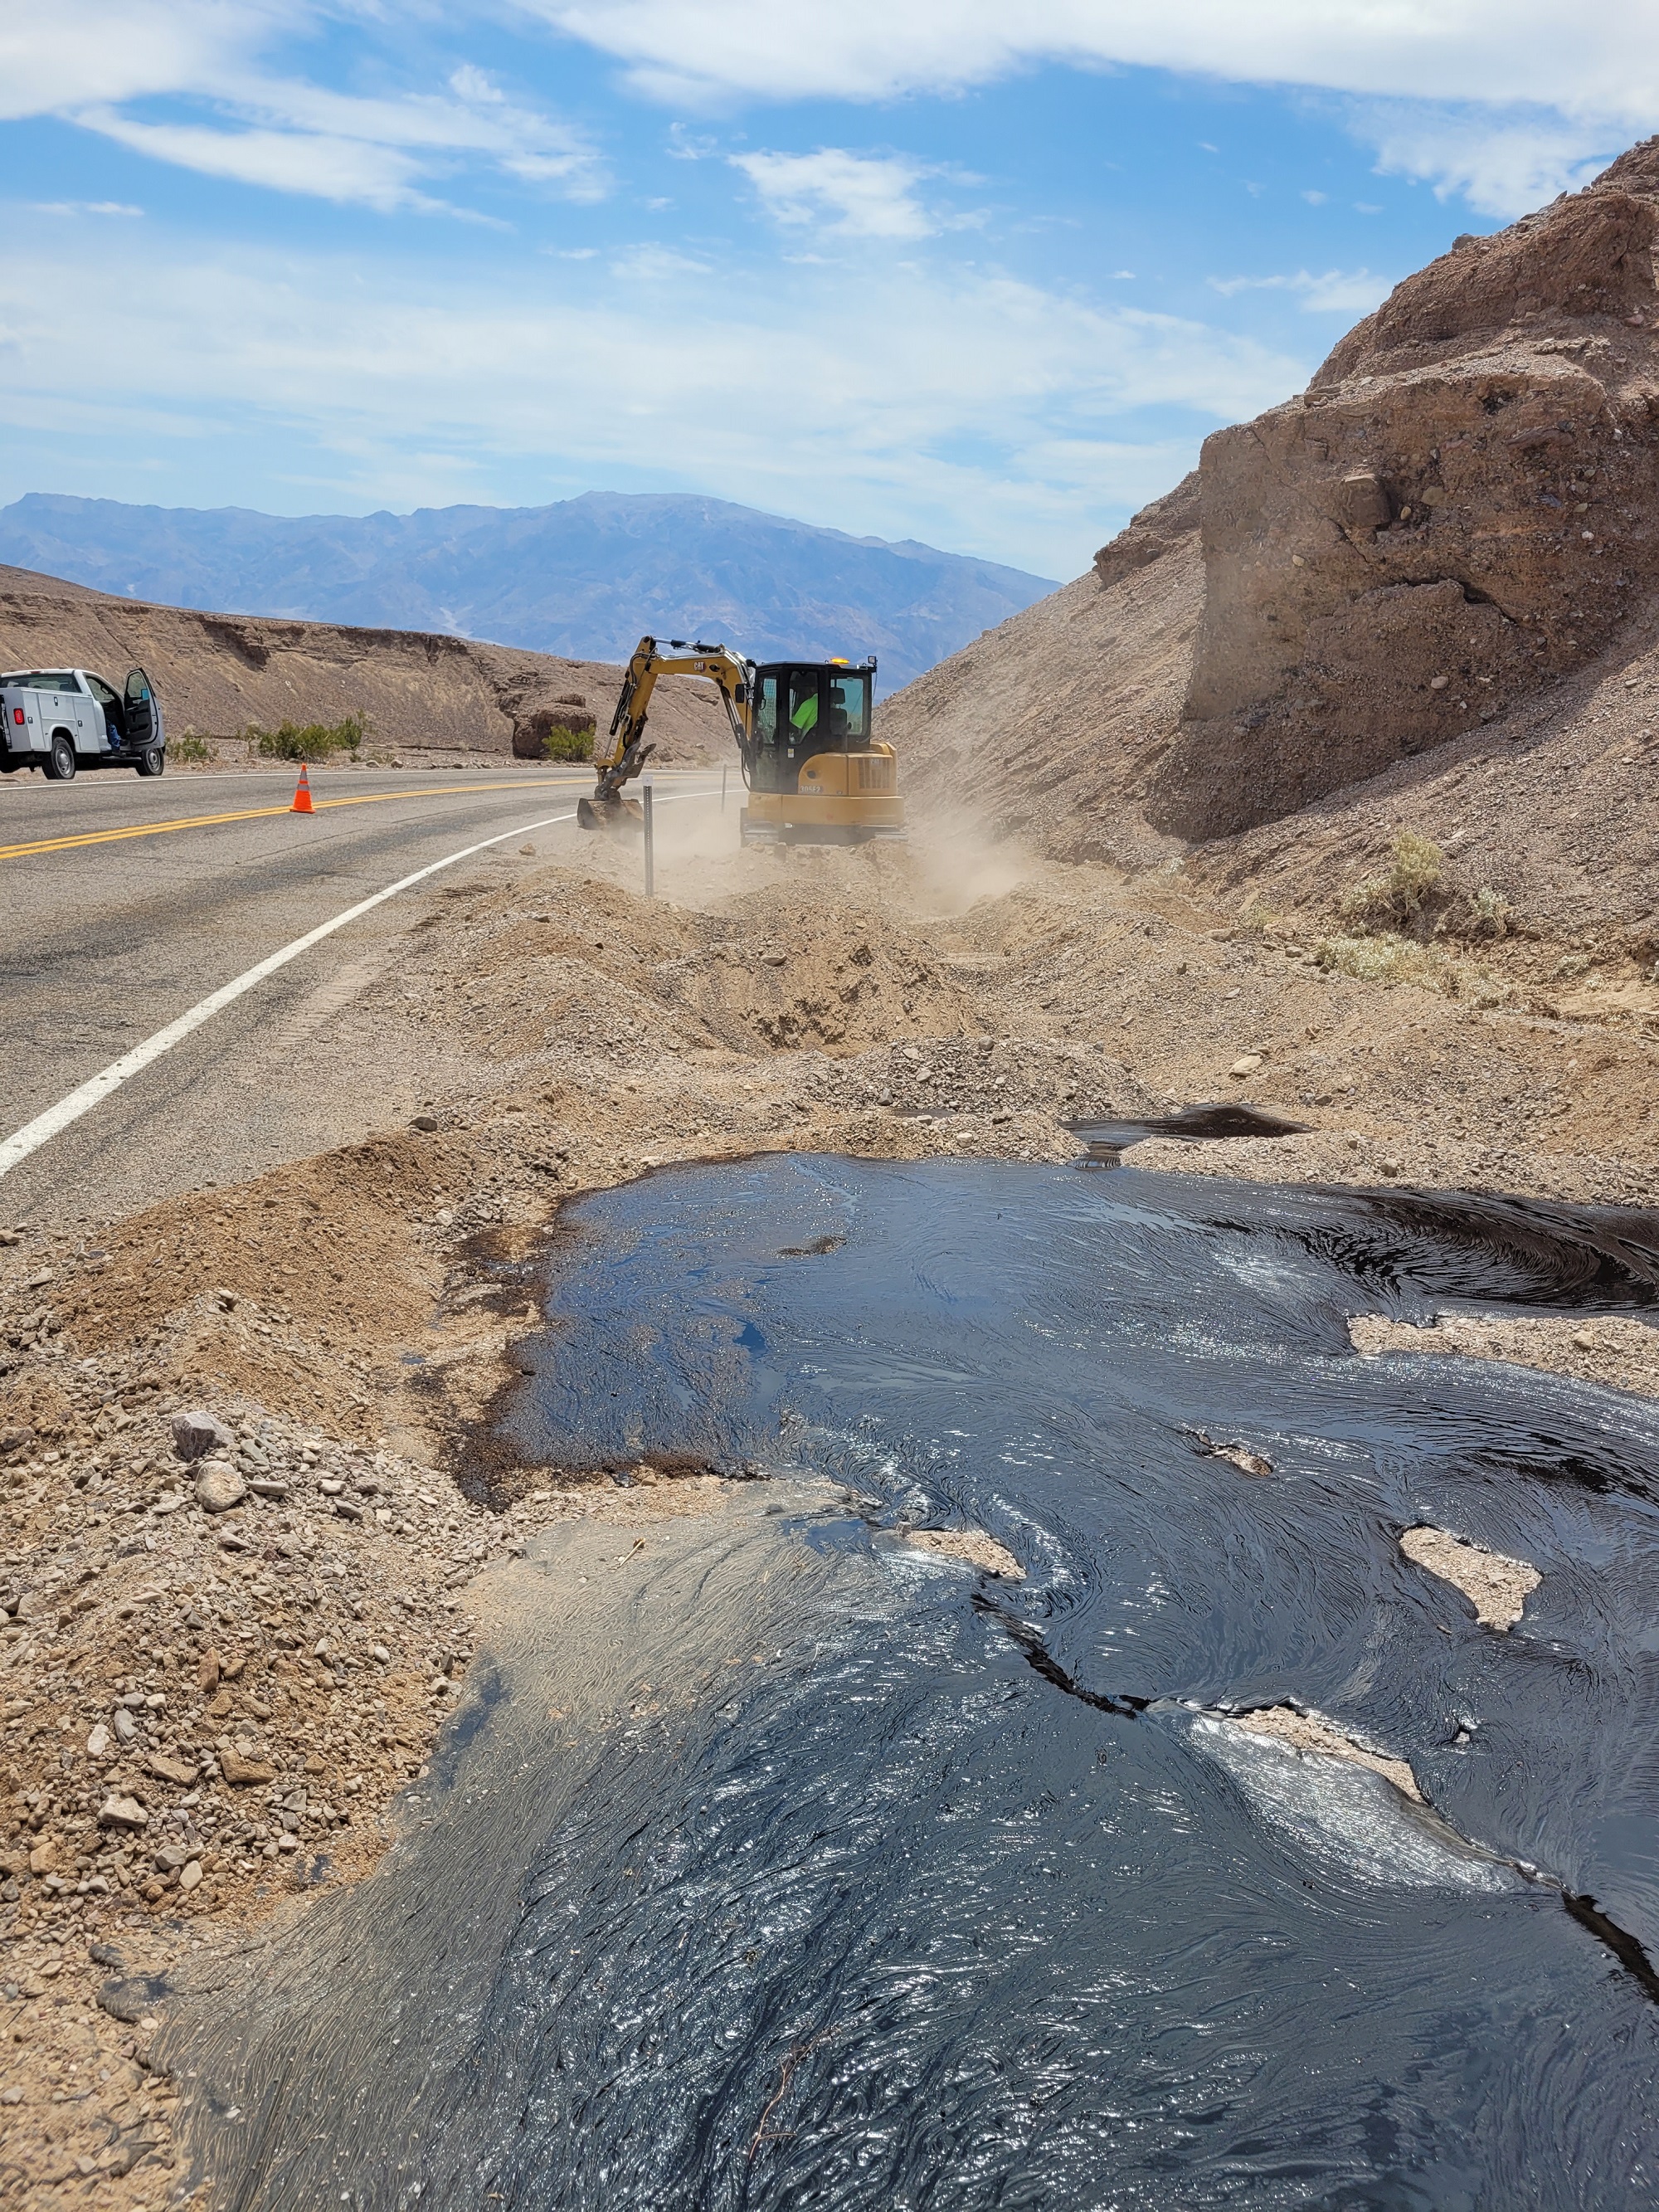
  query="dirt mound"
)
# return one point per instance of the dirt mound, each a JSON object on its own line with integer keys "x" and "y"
{"x": 842, "y": 987}
{"x": 1419, "y": 595}
{"x": 417, "y": 690}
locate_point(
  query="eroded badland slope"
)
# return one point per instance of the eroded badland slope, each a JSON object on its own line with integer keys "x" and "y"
{"x": 1162, "y": 854}
{"x": 1424, "y": 593}
{"x": 422, "y": 694}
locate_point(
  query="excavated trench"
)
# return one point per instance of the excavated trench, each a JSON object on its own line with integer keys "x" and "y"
{"x": 775, "y": 1860}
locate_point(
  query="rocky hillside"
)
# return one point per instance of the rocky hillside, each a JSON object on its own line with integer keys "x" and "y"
{"x": 420, "y": 692}
{"x": 1422, "y": 593}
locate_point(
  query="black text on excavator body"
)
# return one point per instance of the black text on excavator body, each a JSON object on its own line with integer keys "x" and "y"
{"x": 815, "y": 773}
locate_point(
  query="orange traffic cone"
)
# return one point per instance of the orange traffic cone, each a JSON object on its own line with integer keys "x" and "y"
{"x": 302, "y": 797}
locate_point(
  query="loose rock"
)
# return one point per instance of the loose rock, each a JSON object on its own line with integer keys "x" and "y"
{"x": 195, "y": 1432}
{"x": 219, "y": 1487}
{"x": 118, "y": 1812}
{"x": 241, "y": 1772}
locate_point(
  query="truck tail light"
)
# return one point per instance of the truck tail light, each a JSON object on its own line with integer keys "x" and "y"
{"x": 17, "y": 714}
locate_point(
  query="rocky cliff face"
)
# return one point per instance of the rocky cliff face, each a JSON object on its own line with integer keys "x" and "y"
{"x": 1423, "y": 594}
{"x": 419, "y": 691}
{"x": 1459, "y": 511}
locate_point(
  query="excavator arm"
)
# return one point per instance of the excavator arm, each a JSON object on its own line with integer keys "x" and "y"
{"x": 624, "y": 751}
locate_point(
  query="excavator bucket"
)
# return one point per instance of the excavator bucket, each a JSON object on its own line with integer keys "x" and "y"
{"x": 621, "y": 818}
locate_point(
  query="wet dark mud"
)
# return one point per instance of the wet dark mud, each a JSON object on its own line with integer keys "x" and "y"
{"x": 773, "y": 1862}
{"x": 1108, "y": 1140}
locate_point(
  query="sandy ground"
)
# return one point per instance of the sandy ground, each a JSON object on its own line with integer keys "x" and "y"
{"x": 1496, "y": 1587}
{"x": 212, "y": 1695}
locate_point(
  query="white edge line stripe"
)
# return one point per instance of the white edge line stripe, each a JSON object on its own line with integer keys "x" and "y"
{"x": 30, "y": 1138}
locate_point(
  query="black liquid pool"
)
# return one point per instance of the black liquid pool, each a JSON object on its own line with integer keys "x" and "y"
{"x": 955, "y": 1892}
{"x": 1192, "y": 1125}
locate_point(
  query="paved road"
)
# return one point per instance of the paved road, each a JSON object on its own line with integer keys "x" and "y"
{"x": 106, "y": 943}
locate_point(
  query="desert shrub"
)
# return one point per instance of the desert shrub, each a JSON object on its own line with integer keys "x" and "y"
{"x": 1486, "y": 913}
{"x": 1375, "y": 957}
{"x": 310, "y": 741}
{"x": 190, "y": 747}
{"x": 562, "y": 731}
{"x": 1387, "y": 957}
{"x": 1395, "y": 902}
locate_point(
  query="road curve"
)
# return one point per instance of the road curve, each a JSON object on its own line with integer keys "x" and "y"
{"x": 107, "y": 943}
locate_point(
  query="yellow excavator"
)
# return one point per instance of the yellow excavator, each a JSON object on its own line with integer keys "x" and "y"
{"x": 814, "y": 772}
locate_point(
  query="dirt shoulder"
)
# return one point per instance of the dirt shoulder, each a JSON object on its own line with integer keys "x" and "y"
{"x": 214, "y": 1690}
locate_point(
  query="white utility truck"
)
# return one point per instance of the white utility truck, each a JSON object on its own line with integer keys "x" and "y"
{"x": 62, "y": 719}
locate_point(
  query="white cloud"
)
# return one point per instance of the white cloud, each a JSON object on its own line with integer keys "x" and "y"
{"x": 657, "y": 265}
{"x": 1548, "y": 89}
{"x": 855, "y": 194}
{"x": 83, "y": 207}
{"x": 1338, "y": 292}
{"x": 89, "y": 61}
{"x": 472, "y": 84}
{"x": 301, "y": 138}
{"x": 1505, "y": 101}
{"x": 1603, "y": 61}
{"x": 1502, "y": 162}
{"x": 284, "y": 160}
{"x": 975, "y": 411}
{"x": 89, "y": 52}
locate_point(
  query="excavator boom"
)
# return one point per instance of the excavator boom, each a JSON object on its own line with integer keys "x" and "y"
{"x": 624, "y": 751}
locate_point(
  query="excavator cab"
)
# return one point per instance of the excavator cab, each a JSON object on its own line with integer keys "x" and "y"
{"x": 816, "y": 774}
{"x": 802, "y": 709}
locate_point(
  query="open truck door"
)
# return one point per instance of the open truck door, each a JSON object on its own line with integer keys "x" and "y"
{"x": 146, "y": 738}
{"x": 144, "y": 712}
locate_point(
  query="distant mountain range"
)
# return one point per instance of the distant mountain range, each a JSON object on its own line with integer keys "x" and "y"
{"x": 584, "y": 577}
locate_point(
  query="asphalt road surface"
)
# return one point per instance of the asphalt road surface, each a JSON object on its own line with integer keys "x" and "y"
{"x": 107, "y": 942}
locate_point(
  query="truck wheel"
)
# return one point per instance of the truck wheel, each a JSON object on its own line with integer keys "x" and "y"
{"x": 151, "y": 761}
{"x": 59, "y": 762}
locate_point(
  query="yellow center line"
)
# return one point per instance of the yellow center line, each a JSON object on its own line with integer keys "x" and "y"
{"x": 254, "y": 813}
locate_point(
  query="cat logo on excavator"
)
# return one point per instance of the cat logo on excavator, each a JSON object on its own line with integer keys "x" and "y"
{"x": 815, "y": 773}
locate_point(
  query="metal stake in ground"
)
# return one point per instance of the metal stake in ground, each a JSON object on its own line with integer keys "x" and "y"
{"x": 650, "y": 852}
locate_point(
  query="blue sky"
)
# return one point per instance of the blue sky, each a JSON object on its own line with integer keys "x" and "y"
{"x": 980, "y": 274}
